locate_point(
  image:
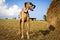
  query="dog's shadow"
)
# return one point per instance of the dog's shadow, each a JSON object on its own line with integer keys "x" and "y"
{"x": 45, "y": 32}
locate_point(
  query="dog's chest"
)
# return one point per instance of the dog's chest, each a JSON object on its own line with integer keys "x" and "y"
{"x": 26, "y": 14}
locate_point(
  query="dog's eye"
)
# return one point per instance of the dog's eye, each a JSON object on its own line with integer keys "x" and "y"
{"x": 30, "y": 3}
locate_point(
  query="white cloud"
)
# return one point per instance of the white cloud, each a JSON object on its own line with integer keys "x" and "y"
{"x": 14, "y": 10}
{"x": 11, "y": 11}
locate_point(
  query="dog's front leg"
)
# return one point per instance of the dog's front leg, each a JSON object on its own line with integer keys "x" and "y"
{"x": 22, "y": 25}
{"x": 28, "y": 28}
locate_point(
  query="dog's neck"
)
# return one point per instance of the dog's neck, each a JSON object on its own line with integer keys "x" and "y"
{"x": 26, "y": 9}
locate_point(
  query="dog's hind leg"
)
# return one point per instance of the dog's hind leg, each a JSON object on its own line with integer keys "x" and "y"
{"x": 20, "y": 27}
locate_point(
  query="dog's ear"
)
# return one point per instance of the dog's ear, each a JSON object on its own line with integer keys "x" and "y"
{"x": 25, "y": 4}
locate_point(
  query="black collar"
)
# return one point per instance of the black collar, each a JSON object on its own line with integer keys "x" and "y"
{"x": 26, "y": 12}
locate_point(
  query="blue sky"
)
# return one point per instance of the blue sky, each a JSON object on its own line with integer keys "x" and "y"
{"x": 40, "y": 10}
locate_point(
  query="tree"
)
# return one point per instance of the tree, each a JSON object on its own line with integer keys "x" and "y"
{"x": 14, "y": 18}
{"x": 6, "y": 18}
{"x": 45, "y": 17}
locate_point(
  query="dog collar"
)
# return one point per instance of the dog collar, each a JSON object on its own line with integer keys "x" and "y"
{"x": 26, "y": 12}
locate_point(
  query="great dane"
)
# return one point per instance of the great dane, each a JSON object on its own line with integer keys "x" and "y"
{"x": 24, "y": 17}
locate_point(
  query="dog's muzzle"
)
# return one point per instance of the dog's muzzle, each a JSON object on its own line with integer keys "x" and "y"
{"x": 33, "y": 7}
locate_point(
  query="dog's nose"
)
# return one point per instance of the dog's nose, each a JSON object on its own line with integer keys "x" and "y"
{"x": 34, "y": 6}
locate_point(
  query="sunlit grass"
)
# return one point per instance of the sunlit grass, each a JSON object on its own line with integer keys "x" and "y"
{"x": 10, "y": 30}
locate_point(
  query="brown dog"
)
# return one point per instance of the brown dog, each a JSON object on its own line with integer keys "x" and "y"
{"x": 24, "y": 17}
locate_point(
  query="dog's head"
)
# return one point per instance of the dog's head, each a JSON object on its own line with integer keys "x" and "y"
{"x": 30, "y": 5}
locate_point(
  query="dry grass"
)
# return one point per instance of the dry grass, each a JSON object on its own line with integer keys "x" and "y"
{"x": 9, "y": 30}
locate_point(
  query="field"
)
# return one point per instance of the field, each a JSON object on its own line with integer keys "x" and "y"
{"x": 39, "y": 30}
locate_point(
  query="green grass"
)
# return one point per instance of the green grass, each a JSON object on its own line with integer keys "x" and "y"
{"x": 10, "y": 29}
